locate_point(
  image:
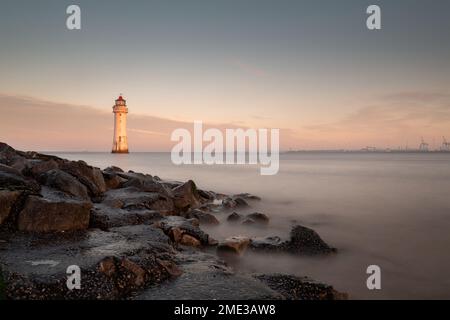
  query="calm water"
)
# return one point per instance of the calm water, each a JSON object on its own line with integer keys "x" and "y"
{"x": 392, "y": 210}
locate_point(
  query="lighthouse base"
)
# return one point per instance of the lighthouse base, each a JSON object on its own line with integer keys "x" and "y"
{"x": 120, "y": 151}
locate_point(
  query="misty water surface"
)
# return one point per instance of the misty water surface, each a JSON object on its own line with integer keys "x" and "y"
{"x": 392, "y": 210}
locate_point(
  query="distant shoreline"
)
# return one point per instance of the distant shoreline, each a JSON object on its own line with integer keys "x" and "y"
{"x": 281, "y": 152}
{"x": 365, "y": 151}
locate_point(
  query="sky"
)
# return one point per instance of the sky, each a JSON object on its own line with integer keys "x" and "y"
{"x": 310, "y": 68}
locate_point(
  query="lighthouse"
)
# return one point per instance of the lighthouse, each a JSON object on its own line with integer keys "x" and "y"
{"x": 120, "y": 142}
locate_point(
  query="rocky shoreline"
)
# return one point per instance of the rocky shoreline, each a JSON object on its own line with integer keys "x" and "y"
{"x": 133, "y": 235}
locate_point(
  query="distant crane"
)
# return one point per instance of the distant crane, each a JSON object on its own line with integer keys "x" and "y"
{"x": 445, "y": 145}
{"x": 423, "y": 146}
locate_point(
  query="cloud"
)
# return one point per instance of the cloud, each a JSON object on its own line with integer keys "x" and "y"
{"x": 28, "y": 123}
{"x": 391, "y": 120}
{"x": 387, "y": 121}
{"x": 417, "y": 97}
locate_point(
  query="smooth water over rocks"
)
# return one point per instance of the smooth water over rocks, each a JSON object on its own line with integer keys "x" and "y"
{"x": 387, "y": 209}
{"x": 127, "y": 235}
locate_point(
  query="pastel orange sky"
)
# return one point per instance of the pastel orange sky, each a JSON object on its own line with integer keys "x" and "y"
{"x": 29, "y": 123}
{"x": 319, "y": 75}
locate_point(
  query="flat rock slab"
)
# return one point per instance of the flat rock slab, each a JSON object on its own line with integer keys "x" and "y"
{"x": 47, "y": 214}
{"x": 297, "y": 288}
{"x": 147, "y": 184}
{"x": 205, "y": 278}
{"x": 267, "y": 244}
{"x": 113, "y": 264}
{"x": 133, "y": 198}
{"x": 105, "y": 217}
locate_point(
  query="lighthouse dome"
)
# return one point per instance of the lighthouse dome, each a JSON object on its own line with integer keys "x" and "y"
{"x": 120, "y": 99}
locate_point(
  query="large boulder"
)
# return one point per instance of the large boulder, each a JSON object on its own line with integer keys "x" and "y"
{"x": 21, "y": 164}
{"x": 234, "y": 202}
{"x": 8, "y": 169}
{"x": 132, "y": 198}
{"x": 207, "y": 195}
{"x": 212, "y": 207}
{"x": 112, "y": 169}
{"x": 182, "y": 231}
{"x": 147, "y": 184}
{"x": 33, "y": 163}
{"x": 302, "y": 241}
{"x": 7, "y": 200}
{"x": 12, "y": 179}
{"x": 113, "y": 180}
{"x": 258, "y": 218}
{"x": 307, "y": 241}
{"x": 53, "y": 214}
{"x": 37, "y": 167}
{"x": 202, "y": 217}
{"x": 186, "y": 196}
{"x": 64, "y": 182}
{"x": 91, "y": 177}
{"x": 233, "y": 246}
{"x": 8, "y": 155}
{"x": 126, "y": 272}
{"x": 234, "y": 217}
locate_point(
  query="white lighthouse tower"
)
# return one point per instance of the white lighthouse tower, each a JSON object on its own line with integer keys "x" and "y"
{"x": 120, "y": 142}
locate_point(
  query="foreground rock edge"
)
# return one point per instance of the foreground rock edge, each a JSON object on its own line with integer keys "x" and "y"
{"x": 50, "y": 203}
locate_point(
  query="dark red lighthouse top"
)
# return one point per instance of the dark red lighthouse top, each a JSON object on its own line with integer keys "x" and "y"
{"x": 120, "y": 99}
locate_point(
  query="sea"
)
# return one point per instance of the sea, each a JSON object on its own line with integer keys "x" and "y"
{"x": 386, "y": 209}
